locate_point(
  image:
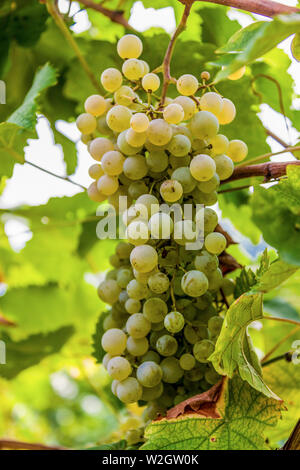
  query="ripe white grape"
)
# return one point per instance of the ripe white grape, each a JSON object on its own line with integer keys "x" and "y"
{"x": 185, "y": 232}
{"x": 95, "y": 171}
{"x": 206, "y": 262}
{"x": 161, "y": 225}
{"x": 135, "y": 167}
{"x": 237, "y": 150}
{"x": 112, "y": 163}
{"x": 166, "y": 345}
{"x": 99, "y": 147}
{"x": 137, "y": 188}
{"x": 194, "y": 283}
{"x": 118, "y": 118}
{"x": 107, "y": 185}
{"x": 173, "y": 113}
{"x": 210, "y": 219}
{"x": 123, "y": 250}
{"x": 95, "y": 105}
{"x": 227, "y": 113}
{"x": 155, "y": 309}
{"x": 139, "y": 122}
{"x": 210, "y": 185}
{"x": 219, "y": 144}
{"x": 124, "y": 96}
{"x": 212, "y": 102}
{"x": 159, "y": 283}
{"x": 133, "y": 69}
{"x": 184, "y": 177}
{"x": 152, "y": 393}
{"x": 157, "y": 161}
{"x": 174, "y": 322}
{"x": 149, "y": 374}
{"x": 188, "y": 106}
{"x": 172, "y": 372}
{"x": 107, "y": 357}
{"x": 147, "y": 204}
{"x": 202, "y": 167}
{"x": 133, "y": 306}
{"x": 114, "y": 385}
{"x": 204, "y": 125}
{"x": 109, "y": 291}
{"x": 179, "y": 145}
{"x": 150, "y": 82}
{"x": 111, "y": 79}
{"x": 137, "y": 346}
{"x": 124, "y": 147}
{"x": 224, "y": 166}
{"x": 215, "y": 243}
{"x": 237, "y": 74}
{"x": 171, "y": 190}
{"x": 159, "y": 132}
{"x": 129, "y": 46}
{"x": 129, "y": 390}
{"x": 137, "y": 232}
{"x": 136, "y": 290}
{"x": 187, "y": 84}
{"x": 135, "y": 139}
{"x": 187, "y": 361}
{"x": 114, "y": 341}
{"x": 86, "y": 123}
{"x": 144, "y": 258}
{"x": 94, "y": 194}
{"x": 146, "y": 66}
{"x": 138, "y": 326}
{"x": 203, "y": 349}
{"x": 119, "y": 368}
{"x": 124, "y": 276}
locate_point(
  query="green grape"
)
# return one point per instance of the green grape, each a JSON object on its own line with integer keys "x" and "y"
{"x": 155, "y": 309}
{"x": 174, "y": 322}
{"x": 212, "y": 102}
{"x": 139, "y": 122}
{"x": 148, "y": 204}
{"x": 118, "y": 118}
{"x": 187, "y": 361}
{"x": 171, "y": 190}
{"x": 206, "y": 262}
{"x": 159, "y": 131}
{"x": 149, "y": 374}
{"x": 119, "y": 368}
{"x": 160, "y": 226}
{"x": 210, "y": 185}
{"x": 205, "y": 301}
{"x": 109, "y": 291}
{"x": 144, "y": 258}
{"x": 152, "y": 393}
{"x": 152, "y": 411}
{"x": 111, "y": 79}
{"x": 111, "y": 275}
{"x": 123, "y": 297}
{"x": 129, "y": 390}
{"x": 188, "y": 106}
{"x": 135, "y": 139}
{"x": 157, "y": 326}
{"x": 138, "y": 326}
{"x": 203, "y": 198}
{"x": 129, "y": 46}
{"x": 204, "y": 125}
{"x": 137, "y": 346}
{"x": 179, "y": 145}
{"x": 114, "y": 341}
{"x": 154, "y": 336}
{"x": 215, "y": 279}
{"x": 194, "y": 375}
{"x": 228, "y": 286}
{"x": 215, "y": 325}
{"x": 143, "y": 277}
{"x": 224, "y": 166}
{"x": 184, "y": 177}
{"x": 124, "y": 96}
{"x": 187, "y": 84}
{"x": 150, "y": 82}
{"x": 219, "y": 144}
{"x": 172, "y": 372}
{"x": 114, "y": 385}
{"x": 109, "y": 322}
{"x": 95, "y": 105}
{"x": 210, "y": 219}
{"x": 194, "y": 283}
{"x": 151, "y": 356}
{"x": 107, "y": 185}
{"x": 158, "y": 283}
{"x": 86, "y": 123}
{"x": 178, "y": 162}
{"x": 123, "y": 250}
{"x": 137, "y": 232}
{"x": 215, "y": 243}
{"x": 184, "y": 232}
{"x": 157, "y": 161}
{"x": 106, "y": 358}
{"x": 103, "y": 128}
{"x": 94, "y": 194}
{"x": 202, "y": 167}
{"x": 203, "y": 349}
{"x": 137, "y": 188}
{"x": 212, "y": 377}
{"x": 173, "y": 113}
{"x": 99, "y": 147}
{"x": 136, "y": 290}
{"x": 135, "y": 167}
{"x": 95, "y": 171}
{"x": 237, "y": 150}
{"x": 124, "y": 276}
{"x": 227, "y": 113}
{"x": 133, "y": 306}
{"x": 124, "y": 147}
{"x": 112, "y": 163}
{"x": 166, "y": 345}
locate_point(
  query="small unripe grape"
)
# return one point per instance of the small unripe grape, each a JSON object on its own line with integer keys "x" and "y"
{"x": 123, "y": 250}
{"x": 204, "y": 125}
{"x": 124, "y": 96}
{"x": 171, "y": 190}
{"x": 129, "y": 46}
{"x": 137, "y": 188}
{"x": 215, "y": 325}
{"x": 203, "y": 349}
{"x": 129, "y": 390}
{"x": 152, "y": 393}
{"x": 237, "y": 74}
{"x": 111, "y": 79}
{"x": 149, "y": 374}
{"x": 212, "y": 102}
{"x": 159, "y": 283}
{"x": 212, "y": 377}
{"x": 157, "y": 161}
{"x": 107, "y": 185}
{"x": 114, "y": 341}
{"x": 99, "y": 147}
{"x": 112, "y": 163}
{"x": 152, "y": 356}
{"x": 205, "y": 75}
{"x": 86, "y": 123}
{"x": 139, "y": 122}
{"x": 224, "y": 166}
{"x": 144, "y": 258}
{"x": 187, "y": 361}
{"x": 188, "y": 106}
{"x": 133, "y": 306}
{"x": 228, "y": 286}
{"x": 210, "y": 185}
{"x": 133, "y": 69}
{"x": 174, "y": 322}
{"x": 166, "y": 345}
{"x": 137, "y": 346}
{"x": 159, "y": 132}
{"x": 155, "y": 309}
{"x": 95, "y": 171}
{"x": 227, "y": 113}
{"x": 194, "y": 283}
{"x": 172, "y": 372}
{"x": 237, "y": 150}
{"x": 187, "y": 84}
{"x": 138, "y": 326}
{"x": 119, "y": 368}
{"x": 94, "y": 194}
{"x": 150, "y": 82}
{"x": 215, "y": 243}
{"x": 173, "y": 113}
{"x": 202, "y": 167}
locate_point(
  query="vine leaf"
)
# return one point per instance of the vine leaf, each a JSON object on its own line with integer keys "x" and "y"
{"x": 245, "y": 415}
{"x": 98, "y": 351}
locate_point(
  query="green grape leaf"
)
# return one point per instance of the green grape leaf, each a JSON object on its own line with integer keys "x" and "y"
{"x": 25, "y": 115}
{"x": 30, "y": 351}
{"x": 279, "y": 307}
{"x": 12, "y": 142}
{"x": 295, "y": 47}
{"x": 212, "y": 15}
{"x": 69, "y": 151}
{"x": 243, "y": 417}
{"x": 252, "y": 42}
{"x": 276, "y": 212}
{"x": 247, "y": 278}
{"x": 98, "y": 351}
{"x": 275, "y": 275}
{"x": 120, "y": 445}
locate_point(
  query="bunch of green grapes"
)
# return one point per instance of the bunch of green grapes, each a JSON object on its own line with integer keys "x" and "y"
{"x": 166, "y": 301}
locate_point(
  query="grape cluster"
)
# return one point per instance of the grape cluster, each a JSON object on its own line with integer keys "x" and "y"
{"x": 166, "y": 302}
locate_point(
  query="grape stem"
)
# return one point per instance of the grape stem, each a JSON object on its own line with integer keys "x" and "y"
{"x": 19, "y": 445}
{"x": 116, "y": 16}
{"x": 64, "y": 178}
{"x": 270, "y": 170}
{"x": 268, "y": 155}
{"x": 286, "y": 356}
{"x": 277, "y": 138}
{"x": 284, "y": 320}
{"x": 277, "y": 345}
